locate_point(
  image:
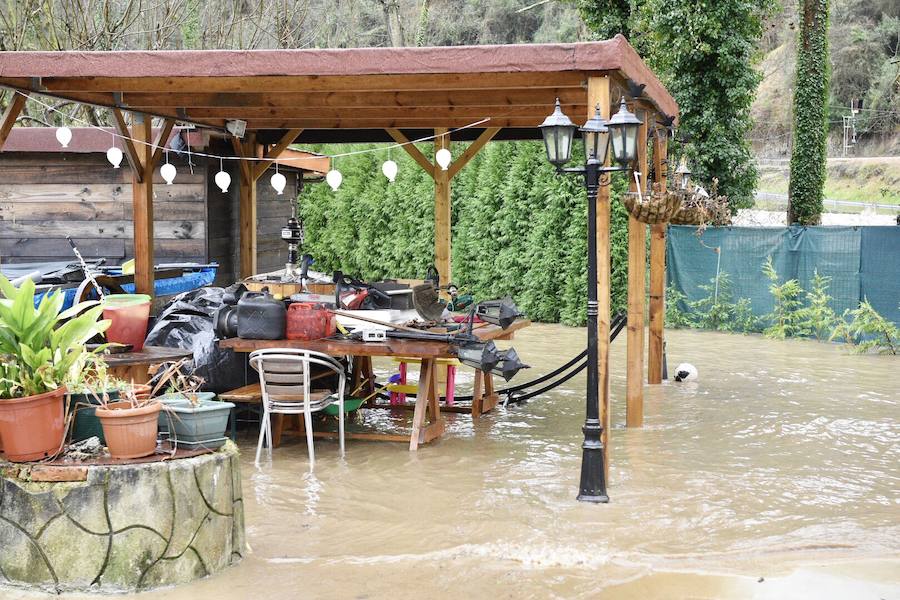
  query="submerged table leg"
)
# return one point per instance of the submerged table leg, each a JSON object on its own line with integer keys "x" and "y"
{"x": 484, "y": 398}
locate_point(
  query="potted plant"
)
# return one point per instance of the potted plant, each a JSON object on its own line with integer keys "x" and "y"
{"x": 129, "y": 423}
{"x": 42, "y": 347}
{"x": 83, "y": 399}
{"x": 192, "y": 418}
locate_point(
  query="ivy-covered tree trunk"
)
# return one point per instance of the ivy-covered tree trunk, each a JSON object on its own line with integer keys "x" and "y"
{"x": 806, "y": 188}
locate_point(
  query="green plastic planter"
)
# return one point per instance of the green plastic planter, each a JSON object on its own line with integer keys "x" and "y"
{"x": 170, "y": 400}
{"x": 86, "y": 423}
{"x": 200, "y": 425}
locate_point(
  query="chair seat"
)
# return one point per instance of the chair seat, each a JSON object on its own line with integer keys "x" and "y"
{"x": 315, "y": 397}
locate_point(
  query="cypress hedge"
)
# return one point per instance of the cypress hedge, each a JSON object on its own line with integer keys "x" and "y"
{"x": 518, "y": 228}
{"x": 807, "y": 181}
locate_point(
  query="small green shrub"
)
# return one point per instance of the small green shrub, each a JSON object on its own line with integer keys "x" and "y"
{"x": 817, "y": 318}
{"x": 675, "y": 317}
{"x": 870, "y": 330}
{"x": 786, "y": 319}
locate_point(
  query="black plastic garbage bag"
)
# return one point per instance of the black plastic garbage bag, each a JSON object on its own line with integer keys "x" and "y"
{"x": 188, "y": 322}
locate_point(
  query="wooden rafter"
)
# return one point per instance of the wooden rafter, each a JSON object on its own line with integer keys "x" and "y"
{"x": 411, "y": 149}
{"x": 244, "y": 165}
{"x": 472, "y": 150}
{"x": 133, "y": 159}
{"x": 274, "y": 152}
{"x": 16, "y": 104}
{"x": 160, "y": 144}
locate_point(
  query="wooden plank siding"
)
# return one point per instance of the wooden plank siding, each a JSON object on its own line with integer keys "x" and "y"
{"x": 45, "y": 197}
{"x": 223, "y": 224}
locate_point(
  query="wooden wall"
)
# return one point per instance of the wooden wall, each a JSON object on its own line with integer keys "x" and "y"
{"x": 224, "y": 218}
{"x": 46, "y": 196}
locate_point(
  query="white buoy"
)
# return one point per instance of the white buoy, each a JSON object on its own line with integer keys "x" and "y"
{"x": 686, "y": 372}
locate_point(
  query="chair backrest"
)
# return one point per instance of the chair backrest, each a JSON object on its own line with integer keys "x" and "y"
{"x": 284, "y": 373}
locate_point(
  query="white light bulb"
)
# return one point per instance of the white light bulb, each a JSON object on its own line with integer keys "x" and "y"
{"x": 278, "y": 182}
{"x": 443, "y": 157}
{"x": 168, "y": 173}
{"x": 114, "y": 156}
{"x": 334, "y": 179}
{"x": 223, "y": 180}
{"x": 389, "y": 168}
{"x": 64, "y": 136}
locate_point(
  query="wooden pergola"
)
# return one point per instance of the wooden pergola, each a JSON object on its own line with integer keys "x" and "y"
{"x": 376, "y": 95}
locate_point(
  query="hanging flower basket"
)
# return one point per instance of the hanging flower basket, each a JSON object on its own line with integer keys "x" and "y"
{"x": 657, "y": 207}
{"x": 703, "y": 209}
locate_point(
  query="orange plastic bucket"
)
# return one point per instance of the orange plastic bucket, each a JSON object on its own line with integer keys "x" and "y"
{"x": 129, "y": 314}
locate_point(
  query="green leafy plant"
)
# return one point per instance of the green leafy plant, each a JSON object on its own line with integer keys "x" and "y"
{"x": 872, "y": 331}
{"x": 42, "y": 347}
{"x": 817, "y": 318}
{"x": 807, "y": 181}
{"x": 676, "y": 318}
{"x": 785, "y": 319}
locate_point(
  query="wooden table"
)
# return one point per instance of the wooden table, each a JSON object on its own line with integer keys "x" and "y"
{"x": 427, "y": 406}
{"x": 135, "y": 366}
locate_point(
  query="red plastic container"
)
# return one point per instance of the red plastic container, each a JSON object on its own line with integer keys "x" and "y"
{"x": 309, "y": 321}
{"x": 129, "y": 314}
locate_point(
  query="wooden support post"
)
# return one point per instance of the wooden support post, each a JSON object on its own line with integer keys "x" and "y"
{"x": 13, "y": 109}
{"x": 657, "y": 273}
{"x": 248, "y": 209}
{"x": 442, "y": 208}
{"x": 637, "y": 271}
{"x": 599, "y": 94}
{"x": 442, "y": 212}
{"x": 142, "y": 199}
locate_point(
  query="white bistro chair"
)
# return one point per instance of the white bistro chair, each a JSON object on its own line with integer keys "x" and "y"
{"x": 284, "y": 379}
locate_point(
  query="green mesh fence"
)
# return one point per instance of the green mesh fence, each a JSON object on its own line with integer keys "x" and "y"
{"x": 863, "y": 262}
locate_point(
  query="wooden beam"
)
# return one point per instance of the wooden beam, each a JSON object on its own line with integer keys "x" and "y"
{"x": 245, "y": 170}
{"x": 472, "y": 113}
{"x": 137, "y": 166}
{"x": 472, "y": 150}
{"x": 142, "y": 200}
{"x": 657, "y": 273}
{"x": 160, "y": 144}
{"x": 598, "y": 93}
{"x": 248, "y": 240}
{"x": 13, "y": 109}
{"x": 294, "y": 100}
{"x": 305, "y": 83}
{"x": 411, "y": 149}
{"x": 637, "y": 271}
{"x": 275, "y": 151}
{"x": 442, "y": 232}
{"x": 399, "y": 123}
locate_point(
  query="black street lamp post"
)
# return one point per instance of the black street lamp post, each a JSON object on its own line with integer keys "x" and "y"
{"x": 621, "y": 130}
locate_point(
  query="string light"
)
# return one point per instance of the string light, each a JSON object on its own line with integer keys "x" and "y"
{"x": 223, "y": 179}
{"x": 334, "y": 179}
{"x": 278, "y": 181}
{"x": 443, "y": 158}
{"x": 168, "y": 170}
{"x": 64, "y": 136}
{"x": 389, "y": 168}
{"x": 114, "y": 155}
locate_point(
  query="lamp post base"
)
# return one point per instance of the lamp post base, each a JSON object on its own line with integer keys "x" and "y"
{"x": 593, "y": 485}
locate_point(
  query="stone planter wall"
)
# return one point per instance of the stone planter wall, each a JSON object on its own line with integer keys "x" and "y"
{"x": 123, "y": 527}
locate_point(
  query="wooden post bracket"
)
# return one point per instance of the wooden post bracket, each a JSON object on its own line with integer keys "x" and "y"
{"x": 16, "y": 104}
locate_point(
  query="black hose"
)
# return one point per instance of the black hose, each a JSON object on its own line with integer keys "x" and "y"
{"x": 618, "y": 323}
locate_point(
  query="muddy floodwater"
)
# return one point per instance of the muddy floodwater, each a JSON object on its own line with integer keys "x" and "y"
{"x": 776, "y": 475}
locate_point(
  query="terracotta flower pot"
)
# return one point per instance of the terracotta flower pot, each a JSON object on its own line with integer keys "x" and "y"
{"x": 130, "y": 432}
{"x": 141, "y": 390}
{"x": 32, "y": 428}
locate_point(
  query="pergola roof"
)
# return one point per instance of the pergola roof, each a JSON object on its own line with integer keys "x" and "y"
{"x": 343, "y": 94}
